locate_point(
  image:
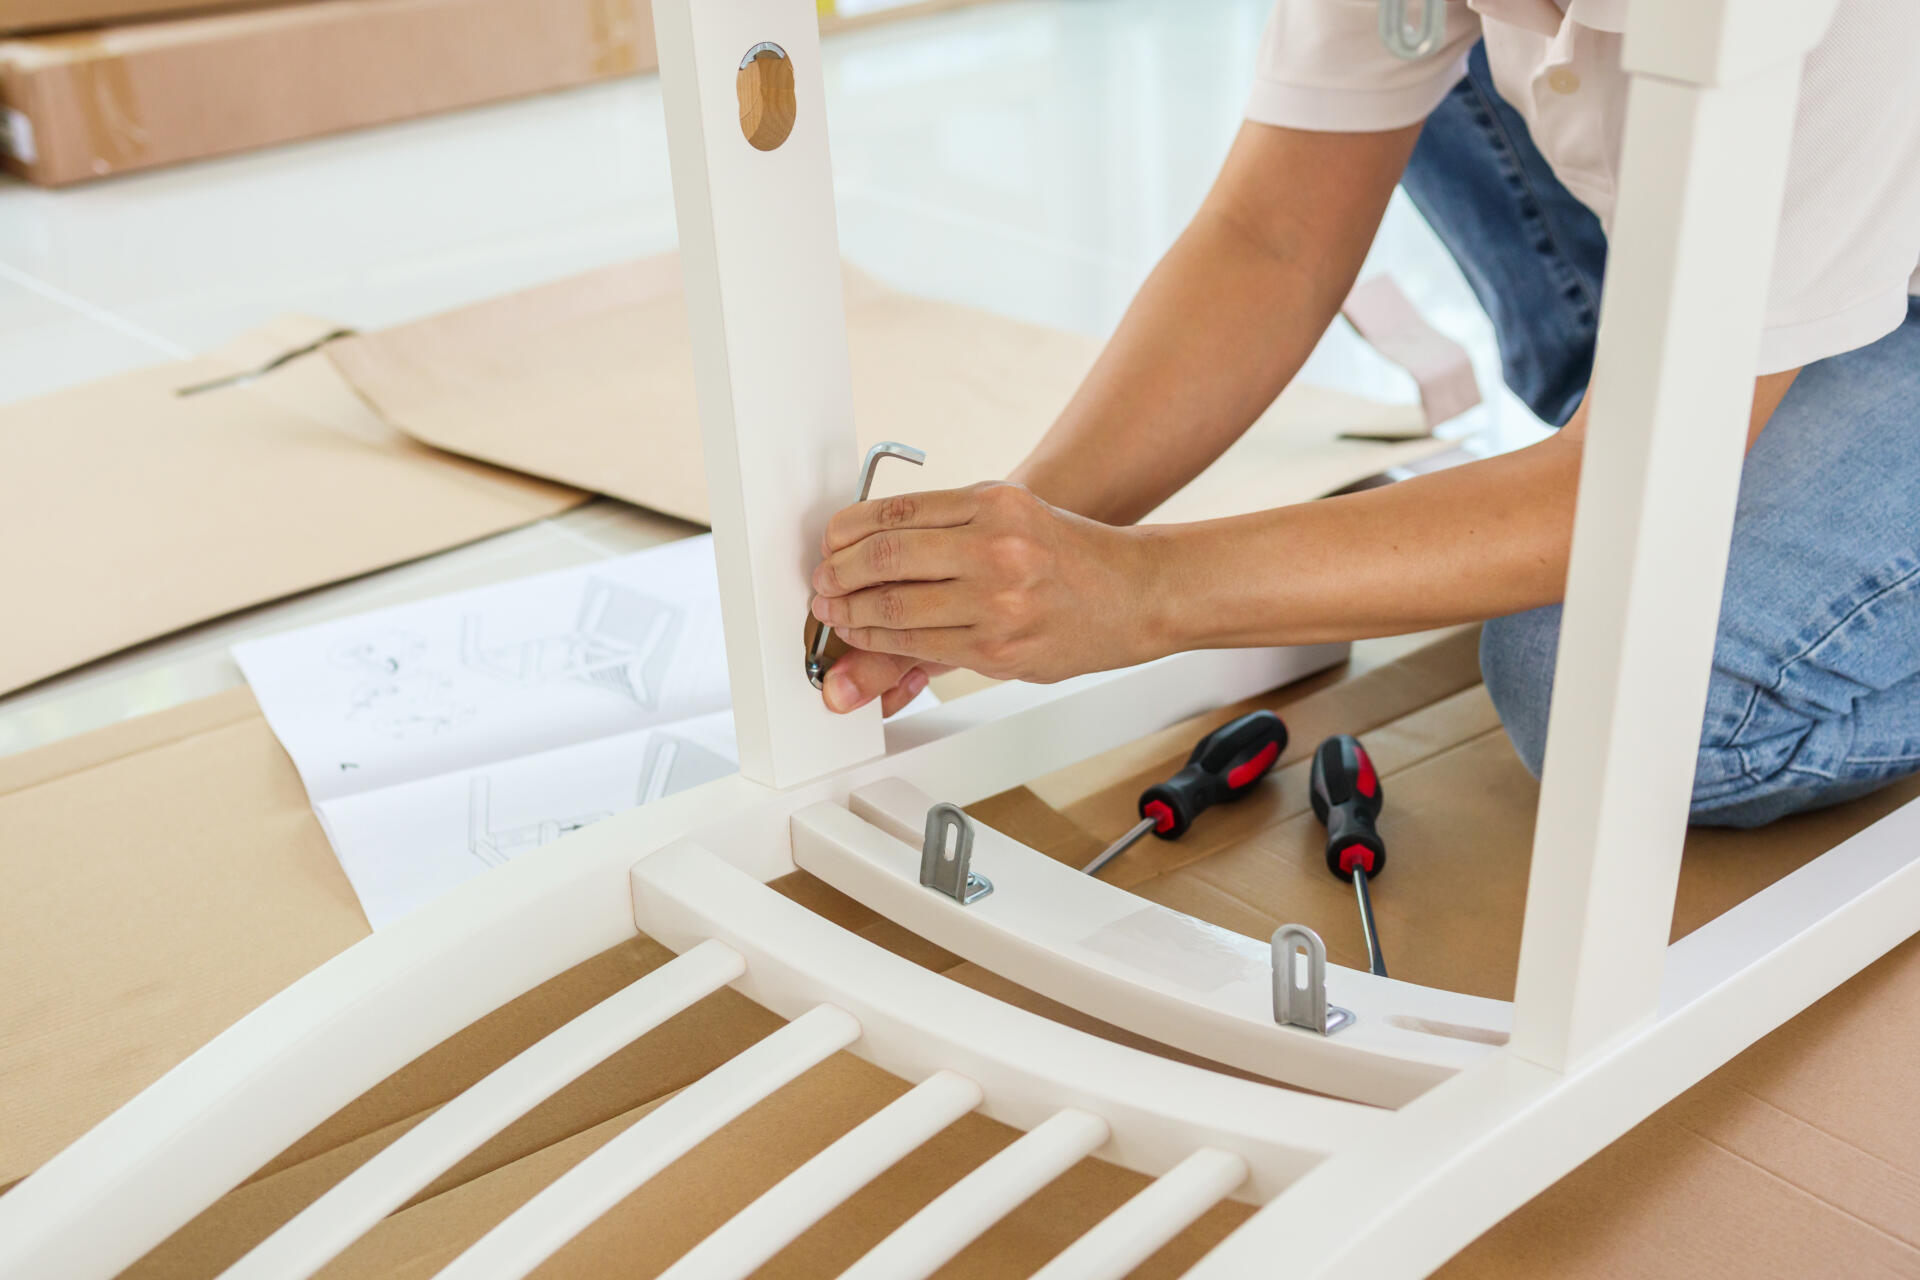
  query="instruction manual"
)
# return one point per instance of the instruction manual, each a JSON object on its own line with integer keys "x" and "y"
{"x": 439, "y": 738}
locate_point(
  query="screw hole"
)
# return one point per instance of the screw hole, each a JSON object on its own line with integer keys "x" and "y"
{"x": 765, "y": 90}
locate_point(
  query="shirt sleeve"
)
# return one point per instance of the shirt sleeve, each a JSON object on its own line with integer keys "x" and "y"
{"x": 1849, "y": 238}
{"x": 1322, "y": 67}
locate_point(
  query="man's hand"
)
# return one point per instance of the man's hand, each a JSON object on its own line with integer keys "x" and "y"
{"x": 989, "y": 578}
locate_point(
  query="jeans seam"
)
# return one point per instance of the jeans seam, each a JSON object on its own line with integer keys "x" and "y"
{"x": 1781, "y": 674}
{"x": 1491, "y": 115}
{"x": 1746, "y": 718}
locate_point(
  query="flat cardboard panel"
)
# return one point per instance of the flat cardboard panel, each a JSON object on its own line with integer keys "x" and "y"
{"x": 558, "y": 380}
{"x": 160, "y": 506}
{"x": 164, "y": 878}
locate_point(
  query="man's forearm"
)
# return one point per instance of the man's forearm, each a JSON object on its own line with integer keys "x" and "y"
{"x": 1477, "y": 541}
{"x": 1223, "y": 323}
{"x": 1473, "y": 542}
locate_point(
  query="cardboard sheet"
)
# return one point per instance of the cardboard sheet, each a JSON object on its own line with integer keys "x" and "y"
{"x": 1800, "y": 1157}
{"x": 556, "y": 380}
{"x": 157, "y": 505}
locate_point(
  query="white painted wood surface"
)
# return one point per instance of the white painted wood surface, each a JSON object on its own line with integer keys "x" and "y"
{"x": 537, "y": 1229}
{"x": 1402, "y": 1199}
{"x": 360, "y": 1200}
{"x": 1136, "y": 964}
{"x": 959, "y": 1215}
{"x": 823, "y": 1183}
{"x": 1610, "y": 1023}
{"x": 1136, "y": 1230}
{"x": 1700, "y": 191}
{"x": 761, "y": 260}
{"x": 209, "y": 1123}
{"x": 916, "y": 1023}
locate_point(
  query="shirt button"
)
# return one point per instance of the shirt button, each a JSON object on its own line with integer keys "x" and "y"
{"x": 1563, "y": 80}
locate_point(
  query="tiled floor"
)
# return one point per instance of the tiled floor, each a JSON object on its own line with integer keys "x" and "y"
{"x": 1033, "y": 157}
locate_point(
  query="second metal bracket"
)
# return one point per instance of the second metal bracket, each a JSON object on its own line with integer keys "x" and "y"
{"x": 1298, "y": 1003}
{"x": 947, "y": 869}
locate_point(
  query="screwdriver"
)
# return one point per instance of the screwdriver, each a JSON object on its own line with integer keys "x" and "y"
{"x": 1224, "y": 766}
{"x": 1346, "y": 795}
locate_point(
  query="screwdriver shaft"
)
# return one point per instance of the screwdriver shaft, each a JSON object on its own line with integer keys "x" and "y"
{"x": 1121, "y": 845}
{"x": 1375, "y": 961}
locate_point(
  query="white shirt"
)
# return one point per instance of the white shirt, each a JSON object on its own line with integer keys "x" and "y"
{"x": 1850, "y": 231}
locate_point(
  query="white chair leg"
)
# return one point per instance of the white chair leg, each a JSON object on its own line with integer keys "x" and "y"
{"x": 430, "y": 1148}
{"x": 1130, "y": 1234}
{"x": 543, "y": 1224}
{"x": 957, "y": 1216}
{"x": 810, "y": 1192}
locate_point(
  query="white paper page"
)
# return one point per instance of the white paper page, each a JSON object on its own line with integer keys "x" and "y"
{"x": 441, "y": 738}
{"x": 405, "y": 845}
{"x": 464, "y": 680}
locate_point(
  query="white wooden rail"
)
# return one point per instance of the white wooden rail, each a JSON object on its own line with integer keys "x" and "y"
{"x": 813, "y": 1190}
{"x": 917, "y": 1023}
{"x": 1132, "y": 1233}
{"x": 433, "y": 1146}
{"x": 534, "y": 1231}
{"x": 957, "y": 1216}
{"x": 1141, "y": 966}
{"x": 770, "y": 366}
{"x": 1704, "y": 161}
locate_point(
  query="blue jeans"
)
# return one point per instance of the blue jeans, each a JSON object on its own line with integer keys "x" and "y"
{"x": 1815, "y": 692}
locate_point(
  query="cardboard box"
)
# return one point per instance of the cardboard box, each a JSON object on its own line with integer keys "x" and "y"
{"x": 85, "y": 104}
{"x": 18, "y": 16}
{"x": 140, "y": 927}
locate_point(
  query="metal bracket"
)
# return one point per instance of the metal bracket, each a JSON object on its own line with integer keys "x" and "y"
{"x": 1298, "y": 1003}
{"x": 946, "y": 870}
{"x": 817, "y": 663}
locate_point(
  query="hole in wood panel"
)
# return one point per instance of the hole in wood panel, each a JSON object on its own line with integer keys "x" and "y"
{"x": 765, "y": 89}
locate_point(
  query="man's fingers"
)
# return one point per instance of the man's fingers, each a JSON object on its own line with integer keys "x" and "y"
{"x": 893, "y": 555}
{"x": 906, "y": 691}
{"x": 935, "y": 509}
{"x": 945, "y": 645}
{"x": 898, "y": 606}
{"x": 857, "y": 678}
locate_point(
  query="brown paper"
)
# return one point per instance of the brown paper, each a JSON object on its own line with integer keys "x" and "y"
{"x": 1800, "y": 1157}
{"x": 563, "y": 380}
{"x": 153, "y": 510}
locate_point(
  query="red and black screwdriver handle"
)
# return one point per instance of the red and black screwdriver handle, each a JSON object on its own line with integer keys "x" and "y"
{"x": 1346, "y": 796}
{"x": 1224, "y": 766}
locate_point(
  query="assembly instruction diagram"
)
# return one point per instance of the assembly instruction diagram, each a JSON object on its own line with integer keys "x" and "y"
{"x": 439, "y": 738}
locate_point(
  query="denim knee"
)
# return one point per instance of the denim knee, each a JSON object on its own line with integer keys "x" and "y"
{"x": 1517, "y": 655}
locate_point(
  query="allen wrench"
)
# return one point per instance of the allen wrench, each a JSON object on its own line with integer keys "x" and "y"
{"x": 817, "y": 663}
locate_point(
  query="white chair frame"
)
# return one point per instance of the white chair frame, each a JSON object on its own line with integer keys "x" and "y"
{"x": 1442, "y": 1112}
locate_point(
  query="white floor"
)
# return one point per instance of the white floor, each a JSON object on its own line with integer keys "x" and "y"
{"x": 1033, "y": 157}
